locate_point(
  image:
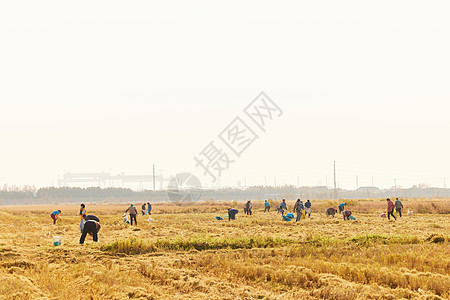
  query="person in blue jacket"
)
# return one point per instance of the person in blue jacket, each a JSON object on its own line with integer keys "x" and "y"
{"x": 266, "y": 206}
{"x": 283, "y": 207}
{"x": 55, "y": 215}
{"x": 342, "y": 206}
{"x": 149, "y": 208}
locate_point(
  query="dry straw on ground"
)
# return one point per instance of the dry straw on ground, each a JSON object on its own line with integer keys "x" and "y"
{"x": 185, "y": 253}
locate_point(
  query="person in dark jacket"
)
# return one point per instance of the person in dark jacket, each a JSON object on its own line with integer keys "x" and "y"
{"x": 398, "y": 207}
{"x": 92, "y": 227}
{"x": 308, "y": 208}
{"x": 132, "y": 211}
{"x": 143, "y": 209}
{"x": 149, "y": 208}
{"x": 346, "y": 214}
{"x": 232, "y": 214}
{"x": 91, "y": 218}
{"x": 248, "y": 207}
{"x": 298, "y": 207}
{"x": 331, "y": 211}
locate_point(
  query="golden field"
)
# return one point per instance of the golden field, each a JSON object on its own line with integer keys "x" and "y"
{"x": 185, "y": 253}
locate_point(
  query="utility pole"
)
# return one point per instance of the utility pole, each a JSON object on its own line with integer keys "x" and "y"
{"x": 445, "y": 184}
{"x": 395, "y": 183}
{"x": 334, "y": 172}
{"x": 154, "y": 180}
{"x": 357, "y": 185}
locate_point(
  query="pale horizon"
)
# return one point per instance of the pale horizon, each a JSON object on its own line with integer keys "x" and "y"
{"x": 92, "y": 87}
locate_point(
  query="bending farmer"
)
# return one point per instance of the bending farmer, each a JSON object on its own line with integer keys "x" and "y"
{"x": 232, "y": 214}
{"x": 92, "y": 227}
{"x": 55, "y": 215}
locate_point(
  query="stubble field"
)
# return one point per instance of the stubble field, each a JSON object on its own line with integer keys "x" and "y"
{"x": 185, "y": 253}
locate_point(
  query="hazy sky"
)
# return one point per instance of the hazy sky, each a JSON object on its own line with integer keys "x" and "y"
{"x": 92, "y": 86}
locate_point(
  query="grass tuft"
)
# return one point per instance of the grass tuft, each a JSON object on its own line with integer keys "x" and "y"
{"x": 140, "y": 246}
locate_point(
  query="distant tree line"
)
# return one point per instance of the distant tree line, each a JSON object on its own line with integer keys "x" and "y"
{"x": 31, "y": 195}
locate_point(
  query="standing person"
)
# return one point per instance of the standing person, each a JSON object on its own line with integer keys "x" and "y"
{"x": 398, "y": 207}
{"x": 390, "y": 209}
{"x": 331, "y": 211}
{"x": 266, "y": 206}
{"x": 149, "y": 208}
{"x": 308, "y": 208}
{"x": 232, "y": 214}
{"x": 346, "y": 214}
{"x": 82, "y": 214}
{"x": 298, "y": 207}
{"x": 143, "y": 209}
{"x": 92, "y": 227}
{"x": 132, "y": 211}
{"x": 55, "y": 215}
{"x": 342, "y": 206}
{"x": 249, "y": 207}
{"x": 283, "y": 207}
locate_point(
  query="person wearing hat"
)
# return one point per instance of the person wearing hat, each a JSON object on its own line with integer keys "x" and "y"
{"x": 390, "y": 209}
{"x": 132, "y": 212}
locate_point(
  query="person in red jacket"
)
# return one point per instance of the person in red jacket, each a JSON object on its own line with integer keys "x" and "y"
{"x": 390, "y": 209}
